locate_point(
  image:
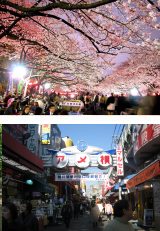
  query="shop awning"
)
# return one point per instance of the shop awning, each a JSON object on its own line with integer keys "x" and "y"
{"x": 125, "y": 180}
{"x": 24, "y": 156}
{"x": 116, "y": 187}
{"x": 147, "y": 173}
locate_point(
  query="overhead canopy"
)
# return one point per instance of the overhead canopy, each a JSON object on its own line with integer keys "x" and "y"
{"x": 146, "y": 174}
{"x": 13, "y": 148}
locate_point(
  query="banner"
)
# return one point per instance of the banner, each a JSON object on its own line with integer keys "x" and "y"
{"x": 78, "y": 177}
{"x": 120, "y": 165}
{"x": 45, "y": 133}
{"x": 151, "y": 132}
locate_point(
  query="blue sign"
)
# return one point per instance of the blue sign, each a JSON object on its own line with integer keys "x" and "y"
{"x": 82, "y": 146}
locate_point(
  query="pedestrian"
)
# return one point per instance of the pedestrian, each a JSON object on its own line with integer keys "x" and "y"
{"x": 67, "y": 213}
{"x": 122, "y": 214}
{"x": 111, "y": 104}
{"x": 76, "y": 210}
{"x": 94, "y": 213}
{"x": 27, "y": 218}
{"x": 109, "y": 210}
{"x": 26, "y": 110}
{"x": 9, "y": 218}
{"x": 51, "y": 110}
{"x": 104, "y": 206}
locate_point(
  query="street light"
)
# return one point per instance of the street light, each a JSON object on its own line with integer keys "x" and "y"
{"x": 18, "y": 72}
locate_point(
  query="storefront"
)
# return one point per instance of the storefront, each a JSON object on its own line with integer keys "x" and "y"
{"x": 145, "y": 186}
{"x": 19, "y": 165}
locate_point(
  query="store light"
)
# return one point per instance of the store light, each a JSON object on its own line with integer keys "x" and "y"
{"x": 29, "y": 182}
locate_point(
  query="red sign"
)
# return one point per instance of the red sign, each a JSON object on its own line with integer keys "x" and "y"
{"x": 105, "y": 160}
{"x": 60, "y": 160}
{"x": 151, "y": 132}
{"x": 82, "y": 160}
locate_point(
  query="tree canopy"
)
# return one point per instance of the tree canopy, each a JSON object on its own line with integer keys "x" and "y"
{"x": 76, "y": 41}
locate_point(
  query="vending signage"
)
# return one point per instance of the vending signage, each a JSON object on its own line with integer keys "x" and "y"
{"x": 104, "y": 159}
{"x": 60, "y": 160}
{"x": 82, "y": 160}
{"x": 120, "y": 165}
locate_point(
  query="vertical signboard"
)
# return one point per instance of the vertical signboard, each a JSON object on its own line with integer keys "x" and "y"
{"x": 45, "y": 133}
{"x": 120, "y": 165}
{"x": 32, "y": 142}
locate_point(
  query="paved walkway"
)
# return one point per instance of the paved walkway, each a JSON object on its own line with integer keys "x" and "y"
{"x": 83, "y": 223}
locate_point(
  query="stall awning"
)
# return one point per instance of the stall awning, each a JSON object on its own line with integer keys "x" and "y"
{"x": 26, "y": 157}
{"x": 147, "y": 173}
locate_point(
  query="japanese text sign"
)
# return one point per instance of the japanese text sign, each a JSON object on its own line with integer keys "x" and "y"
{"x": 120, "y": 166}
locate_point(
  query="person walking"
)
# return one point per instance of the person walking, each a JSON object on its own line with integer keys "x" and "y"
{"x": 27, "y": 219}
{"x": 109, "y": 210}
{"x": 9, "y": 218}
{"x": 94, "y": 213}
{"x": 67, "y": 213}
{"x": 122, "y": 214}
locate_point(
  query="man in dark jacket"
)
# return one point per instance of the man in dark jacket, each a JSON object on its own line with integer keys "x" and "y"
{"x": 67, "y": 213}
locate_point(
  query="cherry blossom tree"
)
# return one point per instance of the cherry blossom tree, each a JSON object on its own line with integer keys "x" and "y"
{"x": 94, "y": 30}
{"x": 142, "y": 71}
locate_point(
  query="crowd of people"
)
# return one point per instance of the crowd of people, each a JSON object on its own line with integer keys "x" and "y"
{"x": 14, "y": 220}
{"x": 91, "y": 104}
{"x": 117, "y": 215}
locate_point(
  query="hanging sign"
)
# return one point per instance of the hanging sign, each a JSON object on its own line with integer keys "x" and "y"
{"x": 79, "y": 177}
{"x": 120, "y": 166}
{"x": 104, "y": 160}
{"x": 82, "y": 160}
{"x": 60, "y": 160}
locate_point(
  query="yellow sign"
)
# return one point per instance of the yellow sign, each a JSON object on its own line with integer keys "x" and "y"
{"x": 46, "y": 132}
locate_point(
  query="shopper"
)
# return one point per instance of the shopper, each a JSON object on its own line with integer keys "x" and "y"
{"x": 67, "y": 213}
{"x": 122, "y": 214}
{"x": 27, "y": 218}
{"x": 109, "y": 210}
{"x": 95, "y": 213}
{"x": 9, "y": 218}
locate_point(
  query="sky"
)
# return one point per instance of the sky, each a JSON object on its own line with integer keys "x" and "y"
{"x": 99, "y": 135}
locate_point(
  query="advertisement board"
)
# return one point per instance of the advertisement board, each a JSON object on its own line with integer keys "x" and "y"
{"x": 148, "y": 217}
{"x": 46, "y": 134}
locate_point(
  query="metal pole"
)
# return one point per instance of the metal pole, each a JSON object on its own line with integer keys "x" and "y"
{"x": 66, "y": 192}
{"x": 120, "y": 190}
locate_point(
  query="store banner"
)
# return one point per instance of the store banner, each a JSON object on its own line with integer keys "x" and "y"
{"x": 120, "y": 164}
{"x": 45, "y": 134}
{"x": 146, "y": 174}
{"x": 151, "y": 132}
{"x": 78, "y": 177}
